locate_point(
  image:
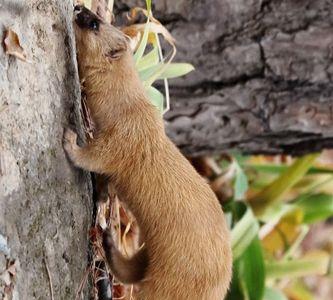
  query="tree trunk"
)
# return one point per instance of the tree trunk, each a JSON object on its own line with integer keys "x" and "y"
{"x": 263, "y": 78}
{"x": 45, "y": 204}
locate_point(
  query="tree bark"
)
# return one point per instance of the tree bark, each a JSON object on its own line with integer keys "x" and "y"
{"x": 45, "y": 204}
{"x": 263, "y": 78}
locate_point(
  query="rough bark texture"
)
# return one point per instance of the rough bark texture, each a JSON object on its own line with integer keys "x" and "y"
{"x": 263, "y": 79}
{"x": 45, "y": 205}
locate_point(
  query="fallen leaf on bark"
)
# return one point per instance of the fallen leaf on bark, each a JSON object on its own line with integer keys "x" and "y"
{"x": 12, "y": 45}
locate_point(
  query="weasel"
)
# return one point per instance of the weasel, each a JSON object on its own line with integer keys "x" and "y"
{"x": 187, "y": 251}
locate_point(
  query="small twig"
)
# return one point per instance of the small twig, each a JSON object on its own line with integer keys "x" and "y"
{"x": 50, "y": 279}
{"x": 268, "y": 228}
{"x": 89, "y": 126}
{"x": 124, "y": 236}
{"x": 131, "y": 292}
{"x": 213, "y": 165}
{"x": 83, "y": 282}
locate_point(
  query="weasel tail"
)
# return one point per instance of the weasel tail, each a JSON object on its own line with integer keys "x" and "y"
{"x": 187, "y": 252}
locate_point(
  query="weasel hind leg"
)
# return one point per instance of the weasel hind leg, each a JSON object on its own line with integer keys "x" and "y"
{"x": 126, "y": 270}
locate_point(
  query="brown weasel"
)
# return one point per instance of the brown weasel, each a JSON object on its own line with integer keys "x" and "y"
{"x": 187, "y": 253}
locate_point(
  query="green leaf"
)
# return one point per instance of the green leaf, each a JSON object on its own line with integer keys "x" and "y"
{"x": 274, "y": 192}
{"x": 149, "y": 60}
{"x": 272, "y": 294}
{"x": 304, "y": 229}
{"x": 148, "y": 73}
{"x": 175, "y": 70}
{"x": 241, "y": 184}
{"x": 164, "y": 71}
{"x": 244, "y": 231}
{"x": 279, "y": 169}
{"x": 316, "y": 207}
{"x": 252, "y": 271}
{"x": 148, "y": 4}
{"x": 156, "y": 97}
{"x": 143, "y": 44}
{"x": 299, "y": 291}
{"x": 240, "y": 157}
{"x": 235, "y": 291}
{"x": 317, "y": 263}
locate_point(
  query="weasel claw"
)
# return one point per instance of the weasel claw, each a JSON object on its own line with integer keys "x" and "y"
{"x": 69, "y": 141}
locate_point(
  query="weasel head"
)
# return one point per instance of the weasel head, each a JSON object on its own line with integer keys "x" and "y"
{"x": 100, "y": 46}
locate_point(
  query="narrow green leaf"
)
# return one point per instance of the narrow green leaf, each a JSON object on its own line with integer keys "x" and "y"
{"x": 149, "y": 60}
{"x": 148, "y": 73}
{"x": 279, "y": 169}
{"x": 156, "y": 97}
{"x": 244, "y": 232}
{"x": 304, "y": 229}
{"x": 272, "y": 294}
{"x": 314, "y": 264}
{"x": 299, "y": 291}
{"x": 164, "y": 71}
{"x": 252, "y": 270}
{"x": 240, "y": 157}
{"x": 143, "y": 44}
{"x": 241, "y": 184}
{"x": 235, "y": 291}
{"x": 316, "y": 207}
{"x": 245, "y": 240}
{"x": 148, "y": 4}
{"x": 174, "y": 70}
{"x": 274, "y": 192}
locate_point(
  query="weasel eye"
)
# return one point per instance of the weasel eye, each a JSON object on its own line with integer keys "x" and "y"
{"x": 94, "y": 25}
{"x": 114, "y": 54}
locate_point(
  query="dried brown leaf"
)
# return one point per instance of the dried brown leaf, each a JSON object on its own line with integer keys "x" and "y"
{"x": 134, "y": 35}
{"x": 102, "y": 214}
{"x": 12, "y": 45}
{"x": 103, "y": 8}
{"x": 158, "y": 28}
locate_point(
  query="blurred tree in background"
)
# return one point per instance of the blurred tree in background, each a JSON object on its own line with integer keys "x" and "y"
{"x": 263, "y": 79}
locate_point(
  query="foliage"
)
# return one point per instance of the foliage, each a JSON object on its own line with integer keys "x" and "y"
{"x": 271, "y": 210}
{"x": 153, "y": 66}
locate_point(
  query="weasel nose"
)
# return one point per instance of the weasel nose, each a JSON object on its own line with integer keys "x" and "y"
{"x": 78, "y": 9}
{"x": 85, "y": 18}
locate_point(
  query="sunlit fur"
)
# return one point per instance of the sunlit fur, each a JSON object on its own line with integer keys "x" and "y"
{"x": 180, "y": 219}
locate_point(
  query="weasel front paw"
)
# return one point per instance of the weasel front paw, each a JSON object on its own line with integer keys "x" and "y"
{"x": 69, "y": 142}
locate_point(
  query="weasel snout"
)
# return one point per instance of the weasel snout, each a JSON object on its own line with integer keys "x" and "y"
{"x": 86, "y": 19}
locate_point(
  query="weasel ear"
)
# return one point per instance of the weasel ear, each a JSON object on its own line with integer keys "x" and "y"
{"x": 115, "y": 53}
